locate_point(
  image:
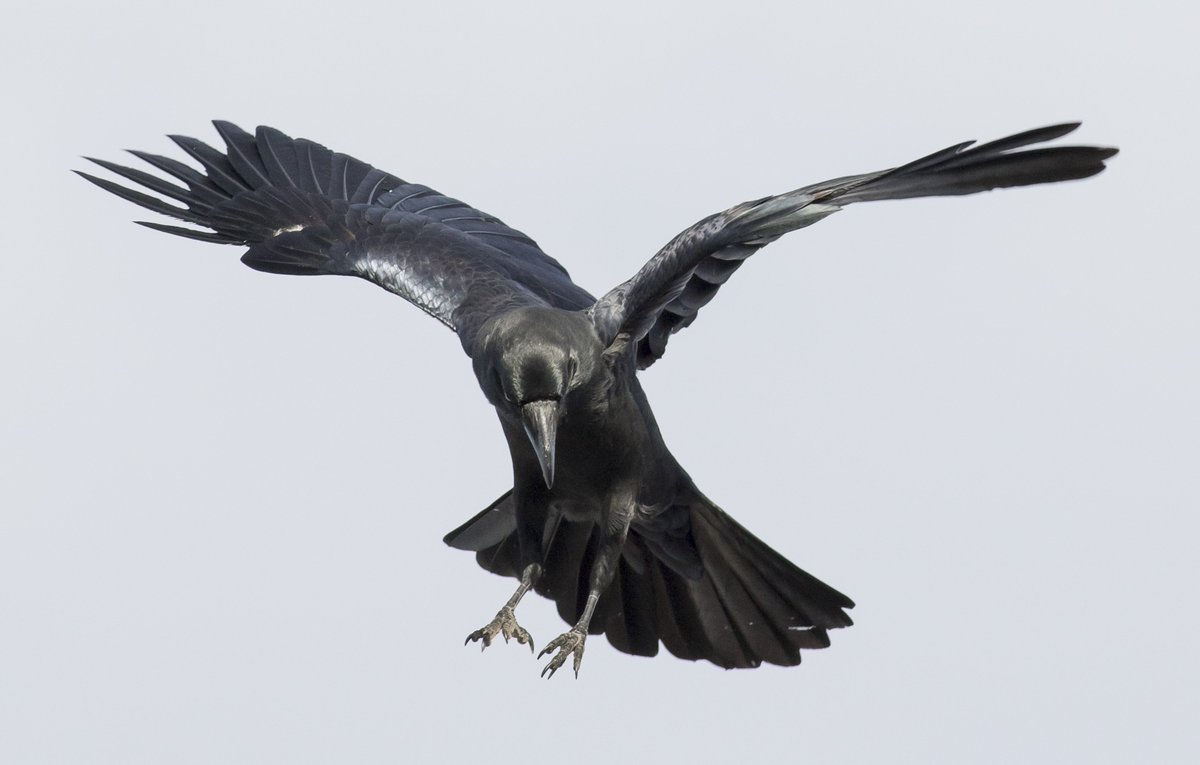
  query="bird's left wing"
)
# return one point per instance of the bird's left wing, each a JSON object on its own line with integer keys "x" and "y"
{"x": 303, "y": 209}
{"x": 666, "y": 294}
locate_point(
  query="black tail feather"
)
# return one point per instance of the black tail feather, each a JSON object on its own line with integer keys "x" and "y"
{"x": 487, "y": 528}
{"x": 638, "y": 611}
{"x": 679, "y": 625}
{"x": 748, "y": 604}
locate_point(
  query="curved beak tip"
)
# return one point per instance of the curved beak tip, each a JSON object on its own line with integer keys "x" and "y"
{"x": 541, "y": 425}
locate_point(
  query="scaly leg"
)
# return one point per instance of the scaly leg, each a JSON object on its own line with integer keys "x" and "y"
{"x": 505, "y": 622}
{"x": 605, "y": 566}
{"x": 530, "y": 498}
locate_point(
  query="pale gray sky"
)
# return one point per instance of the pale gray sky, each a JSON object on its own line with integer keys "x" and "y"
{"x": 224, "y": 492}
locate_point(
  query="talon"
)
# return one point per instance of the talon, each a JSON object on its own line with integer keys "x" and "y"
{"x": 526, "y": 639}
{"x": 504, "y": 624}
{"x": 568, "y": 644}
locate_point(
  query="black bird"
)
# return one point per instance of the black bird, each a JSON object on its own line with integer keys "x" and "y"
{"x": 601, "y": 518}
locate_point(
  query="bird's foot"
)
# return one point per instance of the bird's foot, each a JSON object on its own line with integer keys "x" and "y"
{"x": 504, "y": 624}
{"x": 567, "y": 643}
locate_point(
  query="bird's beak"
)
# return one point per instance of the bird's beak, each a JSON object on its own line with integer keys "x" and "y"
{"x": 541, "y": 425}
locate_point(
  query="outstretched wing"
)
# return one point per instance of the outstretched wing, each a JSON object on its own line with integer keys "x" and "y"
{"x": 666, "y": 294}
{"x": 304, "y": 209}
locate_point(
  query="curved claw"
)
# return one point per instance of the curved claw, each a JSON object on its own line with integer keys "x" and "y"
{"x": 567, "y": 644}
{"x": 505, "y": 624}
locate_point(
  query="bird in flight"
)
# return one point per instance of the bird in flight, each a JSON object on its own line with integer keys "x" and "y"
{"x": 601, "y": 518}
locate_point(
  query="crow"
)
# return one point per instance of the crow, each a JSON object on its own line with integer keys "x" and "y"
{"x": 601, "y": 518}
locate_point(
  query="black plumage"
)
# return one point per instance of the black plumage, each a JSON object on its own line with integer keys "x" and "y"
{"x": 601, "y": 518}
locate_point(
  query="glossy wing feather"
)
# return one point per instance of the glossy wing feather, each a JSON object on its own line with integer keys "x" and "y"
{"x": 668, "y": 292}
{"x": 303, "y": 209}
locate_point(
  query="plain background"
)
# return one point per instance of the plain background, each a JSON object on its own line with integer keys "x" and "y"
{"x": 224, "y": 492}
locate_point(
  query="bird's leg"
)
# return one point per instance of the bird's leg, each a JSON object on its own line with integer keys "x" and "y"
{"x": 530, "y": 497}
{"x": 605, "y": 566}
{"x": 505, "y": 622}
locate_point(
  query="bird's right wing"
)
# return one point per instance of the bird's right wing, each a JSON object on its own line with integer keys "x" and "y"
{"x": 303, "y": 209}
{"x": 666, "y": 294}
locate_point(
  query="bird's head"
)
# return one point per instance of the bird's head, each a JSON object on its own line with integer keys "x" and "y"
{"x": 532, "y": 365}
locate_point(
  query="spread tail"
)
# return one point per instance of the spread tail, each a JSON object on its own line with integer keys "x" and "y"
{"x": 698, "y": 582}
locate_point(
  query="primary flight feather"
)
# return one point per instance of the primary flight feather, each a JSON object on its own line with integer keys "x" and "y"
{"x": 601, "y": 518}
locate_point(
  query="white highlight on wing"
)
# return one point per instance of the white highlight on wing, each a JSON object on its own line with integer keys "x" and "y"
{"x": 394, "y": 277}
{"x": 288, "y": 230}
